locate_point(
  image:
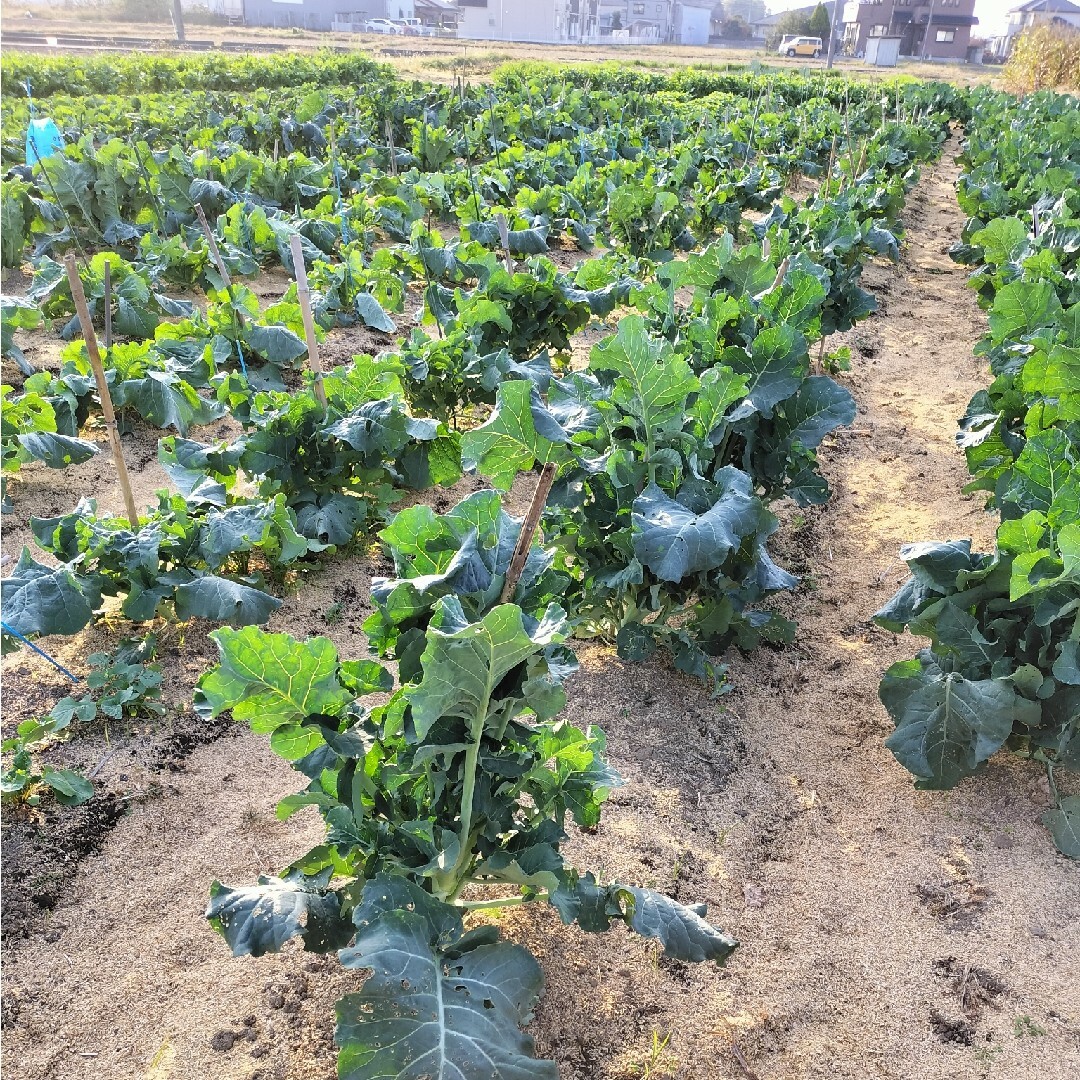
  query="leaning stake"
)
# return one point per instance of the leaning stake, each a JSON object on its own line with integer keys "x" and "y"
{"x": 103, "y": 387}
{"x": 528, "y": 527}
{"x": 108, "y": 305}
{"x": 304, "y": 295}
{"x": 219, "y": 262}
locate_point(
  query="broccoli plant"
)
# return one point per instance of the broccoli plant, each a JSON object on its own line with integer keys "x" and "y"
{"x": 449, "y": 797}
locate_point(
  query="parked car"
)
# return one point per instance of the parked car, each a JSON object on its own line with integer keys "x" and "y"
{"x": 414, "y": 28}
{"x": 381, "y": 26}
{"x": 800, "y": 46}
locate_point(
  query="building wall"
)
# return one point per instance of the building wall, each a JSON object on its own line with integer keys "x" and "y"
{"x": 692, "y": 25}
{"x": 320, "y": 14}
{"x": 511, "y": 20}
{"x": 907, "y": 19}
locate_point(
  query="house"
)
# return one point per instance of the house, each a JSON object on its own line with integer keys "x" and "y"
{"x": 635, "y": 21}
{"x": 323, "y": 14}
{"x": 934, "y": 29}
{"x": 440, "y": 14}
{"x": 1035, "y": 13}
{"x": 528, "y": 20}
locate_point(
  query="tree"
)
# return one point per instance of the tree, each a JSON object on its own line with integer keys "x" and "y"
{"x": 616, "y": 21}
{"x": 736, "y": 29}
{"x": 819, "y": 23}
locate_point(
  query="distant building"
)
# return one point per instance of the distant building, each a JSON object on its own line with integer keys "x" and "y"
{"x": 632, "y": 22}
{"x": 935, "y": 29}
{"x": 1035, "y": 13}
{"x": 323, "y": 14}
{"x": 528, "y": 20}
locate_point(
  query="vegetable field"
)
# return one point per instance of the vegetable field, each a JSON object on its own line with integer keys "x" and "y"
{"x": 576, "y": 576}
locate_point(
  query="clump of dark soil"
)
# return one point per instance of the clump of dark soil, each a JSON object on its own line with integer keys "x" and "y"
{"x": 41, "y": 856}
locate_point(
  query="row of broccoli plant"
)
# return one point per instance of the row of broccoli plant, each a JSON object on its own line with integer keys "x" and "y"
{"x": 692, "y": 418}
{"x": 557, "y": 168}
{"x": 318, "y": 482}
{"x": 1002, "y": 669}
{"x": 335, "y": 470}
{"x": 444, "y": 795}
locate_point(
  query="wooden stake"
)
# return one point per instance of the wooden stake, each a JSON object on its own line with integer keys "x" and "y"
{"x": 832, "y": 160}
{"x": 528, "y": 528}
{"x": 103, "y": 386}
{"x": 504, "y": 239}
{"x": 108, "y": 305}
{"x": 215, "y": 254}
{"x": 304, "y": 295}
{"x": 390, "y": 144}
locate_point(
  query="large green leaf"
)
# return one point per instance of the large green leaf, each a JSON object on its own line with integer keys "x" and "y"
{"x": 39, "y": 599}
{"x": 223, "y": 601}
{"x": 948, "y": 726}
{"x": 261, "y": 918}
{"x": 372, "y": 314}
{"x": 819, "y": 406}
{"x": 1044, "y": 471}
{"x": 1003, "y": 240}
{"x": 519, "y": 433}
{"x": 166, "y": 400}
{"x": 1064, "y": 825}
{"x": 464, "y": 661}
{"x": 278, "y": 344}
{"x": 56, "y": 451}
{"x": 1022, "y": 307}
{"x": 651, "y": 383}
{"x": 269, "y": 680}
{"x": 674, "y": 542}
{"x": 775, "y": 367}
{"x": 438, "y": 1002}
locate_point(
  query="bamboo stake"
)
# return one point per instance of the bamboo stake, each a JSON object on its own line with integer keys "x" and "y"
{"x": 215, "y": 254}
{"x": 390, "y": 144}
{"x": 528, "y": 528}
{"x": 504, "y": 239}
{"x": 304, "y": 295}
{"x": 103, "y": 386}
{"x": 108, "y": 305}
{"x": 832, "y": 161}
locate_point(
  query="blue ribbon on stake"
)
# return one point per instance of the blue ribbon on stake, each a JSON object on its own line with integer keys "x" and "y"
{"x": 40, "y": 652}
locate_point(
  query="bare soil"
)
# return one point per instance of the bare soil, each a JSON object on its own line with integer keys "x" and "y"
{"x": 887, "y": 933}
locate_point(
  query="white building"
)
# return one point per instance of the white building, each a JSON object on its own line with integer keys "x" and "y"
{"x": 528, "y": 20}
{"x": 1035, "y": 13}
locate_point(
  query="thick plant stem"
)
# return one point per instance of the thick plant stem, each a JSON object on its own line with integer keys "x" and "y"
{"x": 503, "y": 901}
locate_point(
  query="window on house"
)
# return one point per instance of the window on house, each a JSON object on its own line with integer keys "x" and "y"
{"x": 945, "y": 36}
{"x": 659, "y": 8}
{"x": 903, "y": 3}
{"x": 878, "y": 30}
{"x": 950, "y": 3}
{"x": 639, "y": 9}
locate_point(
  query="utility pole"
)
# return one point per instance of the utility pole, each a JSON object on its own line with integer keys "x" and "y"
{"x": 178, "y": 21}
{"x": 926, "y": 36}
{"x": 836, "y": 11}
